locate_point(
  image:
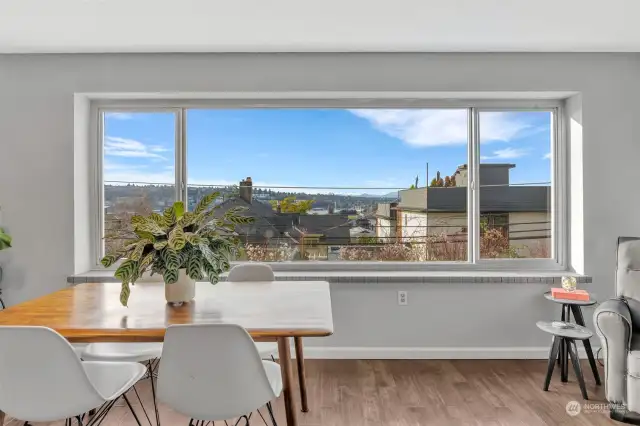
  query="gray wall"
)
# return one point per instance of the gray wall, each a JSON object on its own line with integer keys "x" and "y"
{"x": 37, "y": 169}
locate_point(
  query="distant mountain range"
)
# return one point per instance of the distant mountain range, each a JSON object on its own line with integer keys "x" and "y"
{"x": 391, "y": 195}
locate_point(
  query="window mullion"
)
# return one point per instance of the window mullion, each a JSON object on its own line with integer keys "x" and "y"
{"x": 180, "y": 157}
{"x": 473, "y": 192}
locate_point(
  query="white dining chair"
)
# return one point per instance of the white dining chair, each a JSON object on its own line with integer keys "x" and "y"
{"x": 256, "y": 272}
{"x": 262, "y": 272}
{"x": 251, "y": 272}
{"x": 212, "y": 372}
{"x": 43, "y": 380}
{"x": 147, "y": 353}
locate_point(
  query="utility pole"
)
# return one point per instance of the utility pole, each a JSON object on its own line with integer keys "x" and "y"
{"x": 427, "y": 181}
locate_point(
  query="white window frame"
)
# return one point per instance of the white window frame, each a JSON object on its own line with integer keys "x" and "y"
{"x": 559, "y": 167}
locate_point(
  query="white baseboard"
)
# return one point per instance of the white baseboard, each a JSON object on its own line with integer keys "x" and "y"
{"x": 320, "y": 352}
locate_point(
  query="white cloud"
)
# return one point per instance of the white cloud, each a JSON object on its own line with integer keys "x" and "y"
{"x": 435, "y": 127}
{"x": 506, "y": 154}
{"x": 547, "y": 156}
{"x": 117, "y": 173}
{"x": 122, "y": 147}
{"x": 120, "y": 115}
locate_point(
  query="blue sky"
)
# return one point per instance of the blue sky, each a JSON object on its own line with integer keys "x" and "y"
{"x": 382, "y": 149}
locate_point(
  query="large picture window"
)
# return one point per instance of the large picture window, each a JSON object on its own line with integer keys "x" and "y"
{"x": 463, "y": 185}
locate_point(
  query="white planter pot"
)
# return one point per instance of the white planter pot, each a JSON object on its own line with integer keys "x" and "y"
{"x": 182, "y": 291}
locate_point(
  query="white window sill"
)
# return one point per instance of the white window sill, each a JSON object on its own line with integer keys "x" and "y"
{"x": 367, "y": 277}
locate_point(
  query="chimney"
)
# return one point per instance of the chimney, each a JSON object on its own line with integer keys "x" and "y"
{"x": 246, "y": 190}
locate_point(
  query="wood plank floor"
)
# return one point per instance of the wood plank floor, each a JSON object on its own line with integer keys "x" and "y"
{"x": 417, "y": 392}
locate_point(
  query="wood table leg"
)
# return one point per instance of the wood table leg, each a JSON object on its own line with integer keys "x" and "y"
{"x": 284, "y": 351}
{"x": 301, "y": 374}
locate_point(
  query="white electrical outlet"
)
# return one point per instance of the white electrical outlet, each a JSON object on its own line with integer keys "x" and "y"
{"x": 403, "y": 298}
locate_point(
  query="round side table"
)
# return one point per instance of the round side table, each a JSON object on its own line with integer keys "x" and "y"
{"x": 565, "y": 337}
{"x": 569, "y": 307}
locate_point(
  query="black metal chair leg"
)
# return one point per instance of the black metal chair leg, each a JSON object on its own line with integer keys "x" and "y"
{"x": 135, "y": 416}
{"x": 246, "y": 420}
{"x": 573, "y": 352}
{"x": 144, "y": 410}
{"x": 153, "y": 393}
{"x": 273, "y": 418}
{"x": 101, "y": 413}
{"x": 553, "y": 355}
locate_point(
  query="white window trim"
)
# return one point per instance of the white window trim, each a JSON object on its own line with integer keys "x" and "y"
{"x": 546, "y": 101}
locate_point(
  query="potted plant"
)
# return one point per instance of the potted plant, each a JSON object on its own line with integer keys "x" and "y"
{"x": 181, "y": 246}
{"x": 5, "y": 240}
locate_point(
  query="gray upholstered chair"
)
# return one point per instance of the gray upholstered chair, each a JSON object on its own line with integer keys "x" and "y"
{"x": 617, "y": 323}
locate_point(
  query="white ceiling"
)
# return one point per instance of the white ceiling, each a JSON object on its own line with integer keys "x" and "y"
{"x": 318, "y": 26}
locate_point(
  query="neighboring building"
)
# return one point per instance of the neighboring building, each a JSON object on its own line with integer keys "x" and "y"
{"x": 323, "y": 208}
{"x": 359, "y": 233}
{"x": 386, "y": 223}
{"x": 311, "y": 235}
{"x": 316, "y": 233}
{"x": 522, "y": 212}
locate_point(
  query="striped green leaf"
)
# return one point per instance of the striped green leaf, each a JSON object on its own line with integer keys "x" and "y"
{"x": 194, "y": 267}
{"x": 126, "y": 270}
{"x": 125, "y": 292}
{"x": 212, "y": 273}
{"x": 236, "y": 210}
{"x": 232, "y": 216}
{"x": 150, "y": 227}
{"x": 160, "y": 244}
{"x": 159, "y": 220}
{"x": 5, "y": 240}
{"x": 170, "y": 276}
{"x": 207, "y": 254}
{"x": 169, "y": 216}
{"x": 187, "y": 219}
{"x": 136, "y": 254}
{"x": 177, "y": 239}
{"x": 178, "y": 209}
{"x": 183, "y": 257}
{"x": 111, "y": 258}
{"x": 145, "y": 235}
{"x": 205, "y": 201}
{"x": 193, "y": 239}
{"x": 145, "y": 263}
{"x": 170, "y": 258}
{"x": 138, "y": 220}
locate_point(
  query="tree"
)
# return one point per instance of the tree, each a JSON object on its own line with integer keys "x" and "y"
{"x": 119, "y": 222}
{"x": 291, "y": 205}
{"x": 447, "y": 182}
{"x": 437, "y": 181}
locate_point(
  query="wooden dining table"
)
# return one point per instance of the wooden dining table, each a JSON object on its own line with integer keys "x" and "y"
{"x": 278, "y": 310}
